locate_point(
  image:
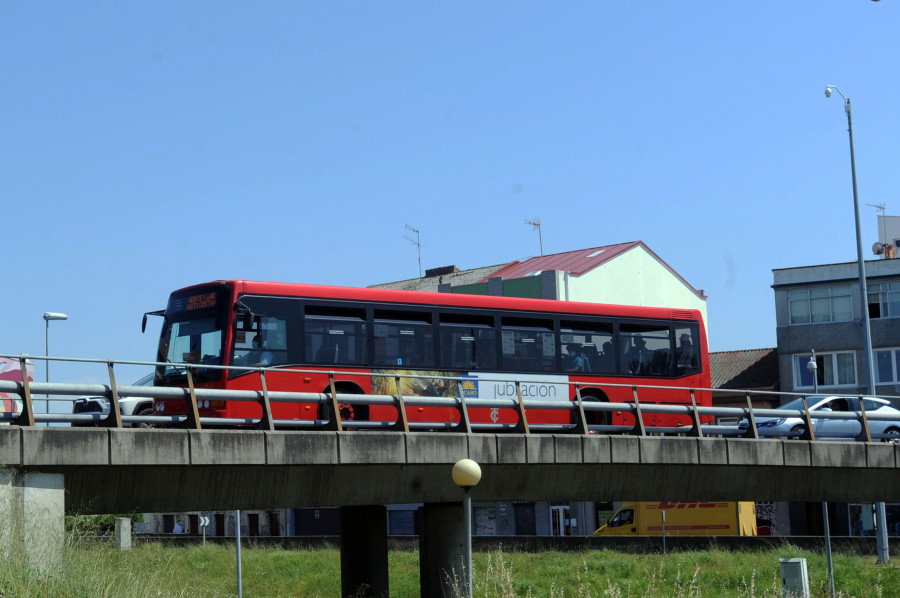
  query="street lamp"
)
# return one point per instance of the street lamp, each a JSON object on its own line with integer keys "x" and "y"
{"x": 466, "y": 475}
{"x": 812, "y": 367}
{"x": 883, "y": 555}
{"x": 49, "y": 315}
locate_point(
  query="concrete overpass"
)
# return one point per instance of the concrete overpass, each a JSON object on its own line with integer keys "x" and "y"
{"x": 102, "y": 470}
{"x": 118, "y": 470}
{"x": 185, "y": 467}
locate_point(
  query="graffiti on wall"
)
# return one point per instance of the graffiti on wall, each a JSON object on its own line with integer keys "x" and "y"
{"x": 11, "y": 370}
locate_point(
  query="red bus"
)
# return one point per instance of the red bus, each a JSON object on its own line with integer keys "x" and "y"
{"x": 454, "y": 345}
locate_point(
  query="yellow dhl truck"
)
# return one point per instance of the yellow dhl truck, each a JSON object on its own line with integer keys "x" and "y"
{"x": 682, "y": 519}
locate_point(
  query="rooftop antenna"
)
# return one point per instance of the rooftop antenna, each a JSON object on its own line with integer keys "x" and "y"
{"x": 536, "y": 224}
{"x": 879, "y": 206}
{"x": 417, "y": 243}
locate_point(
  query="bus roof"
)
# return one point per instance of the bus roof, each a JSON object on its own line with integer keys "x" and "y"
{"x": 286, "y": 289}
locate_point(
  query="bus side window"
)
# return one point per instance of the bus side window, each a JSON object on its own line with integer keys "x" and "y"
{"x": 335, "y": 336}
{"x": 647, "y": 350}
{"x": 468, "y": 342}
{"x": 529, "y": 345}
{"x": 596, "y": 344}
{"x": 687, "y": 359}
{"x": 403, "y": 339}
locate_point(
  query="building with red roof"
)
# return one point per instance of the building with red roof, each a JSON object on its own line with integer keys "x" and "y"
{"x": 624, "y": 273}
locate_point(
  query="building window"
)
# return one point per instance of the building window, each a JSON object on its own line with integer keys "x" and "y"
{"x": 834, "y": 369}
{"x": 884, "y": 300}
{"x": 886, "y": 365}
{"x": 816, "y": 306}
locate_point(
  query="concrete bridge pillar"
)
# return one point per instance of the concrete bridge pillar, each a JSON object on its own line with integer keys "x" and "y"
{"x": 32, "y": 528}
{"x": 364, "y": 552}
{"x": 442, "y": 546}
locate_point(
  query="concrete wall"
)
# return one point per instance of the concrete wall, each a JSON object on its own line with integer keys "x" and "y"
{"x": 634, "y": 278}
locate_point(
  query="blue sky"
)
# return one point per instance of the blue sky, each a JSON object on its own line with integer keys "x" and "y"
{"x": 149, "y": 146}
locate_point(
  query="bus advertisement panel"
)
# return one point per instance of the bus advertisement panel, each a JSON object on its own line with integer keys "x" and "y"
{"x": 10, "y": 369}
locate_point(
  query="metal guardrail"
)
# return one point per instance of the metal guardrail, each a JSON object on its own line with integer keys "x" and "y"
{"x": 579, "y": 408}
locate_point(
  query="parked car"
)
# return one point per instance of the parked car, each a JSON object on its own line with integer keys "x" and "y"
{"x": 829, "y": 429}
{"x": 127, "y": 405}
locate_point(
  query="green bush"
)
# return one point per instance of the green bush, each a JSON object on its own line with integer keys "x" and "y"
{"x": 98, "y": 524}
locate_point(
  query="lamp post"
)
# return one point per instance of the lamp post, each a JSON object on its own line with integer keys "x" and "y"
{"x": 49, "y": 315}
{"x": 861, "y": 264}
{"x": 883, "y": 555}
{"x": 466, "y": 475}
{"x": 813, "y": 367}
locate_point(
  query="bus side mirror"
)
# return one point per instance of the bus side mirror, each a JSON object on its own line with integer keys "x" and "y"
{"x": 161, "y": 313}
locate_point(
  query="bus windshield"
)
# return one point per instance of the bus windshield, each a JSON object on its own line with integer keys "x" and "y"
{"x": 194, "y": 333}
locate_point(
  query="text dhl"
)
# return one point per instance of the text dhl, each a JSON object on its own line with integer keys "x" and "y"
{"x": 668, "y": 506}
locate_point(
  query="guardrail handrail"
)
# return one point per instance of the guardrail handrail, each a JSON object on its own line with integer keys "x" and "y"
{"x": 578, "y": 407}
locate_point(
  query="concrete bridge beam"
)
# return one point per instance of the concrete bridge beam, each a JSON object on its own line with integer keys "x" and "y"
{"x": 442, "y": 550}
{"x": 364, "y": 552}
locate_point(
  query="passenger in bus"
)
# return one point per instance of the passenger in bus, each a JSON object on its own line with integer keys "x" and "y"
{"x": 327, "y": 353}
{"x": 687, "y": 356}
{"x": 639, "y": 357}
{"x": 607, "y": 359}
{"x": 573, "y": 361}
{"x": 259, "y": 355}
{"x": 591, "y": 358}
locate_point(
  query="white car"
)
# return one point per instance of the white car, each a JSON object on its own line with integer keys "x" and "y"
{"x": 848, "y": 427}
{"x": 127, "y": 405}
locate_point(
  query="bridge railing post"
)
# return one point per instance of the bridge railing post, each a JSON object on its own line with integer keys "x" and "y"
{"x": 114, "y": 418}
{"x": 193, "y": 415}
{"x": 402, "y": 423}
{"x": 808, "y": 433}
{"x": 334, "y": 425}
{"x": 580, "y": 418}
{"x": 638, "y": 429}
{"x": 522, "y": 424}
{"x": 751, "y": 429}
{"x": 266, "y": 422}
{"x": 464, "y": 420}
{"x": 697, "y": 428}
{"x": 865, "y": 434}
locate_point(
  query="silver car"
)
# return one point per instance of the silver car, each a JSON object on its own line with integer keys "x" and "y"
{"x": 829, "y": 429}
{"x": 127, "y": 405}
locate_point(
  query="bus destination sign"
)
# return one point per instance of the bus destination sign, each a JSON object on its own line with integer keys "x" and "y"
{"x": 202, "y": 301}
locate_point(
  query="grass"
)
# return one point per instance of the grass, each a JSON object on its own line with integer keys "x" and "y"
{"x": 93, "y": 569}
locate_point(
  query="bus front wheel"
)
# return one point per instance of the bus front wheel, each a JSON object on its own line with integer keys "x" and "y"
{"x": 595, "y": 418}
{"x": 347, "y": 411}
